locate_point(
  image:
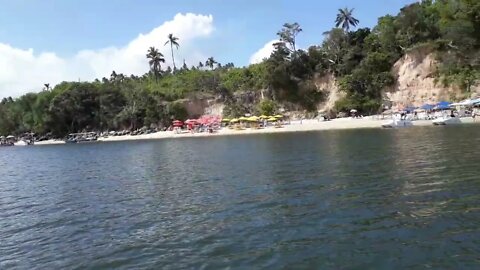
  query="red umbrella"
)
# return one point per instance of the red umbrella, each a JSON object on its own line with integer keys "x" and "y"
{"x": 177, "y": 123}
{"x": 209, "y": 119}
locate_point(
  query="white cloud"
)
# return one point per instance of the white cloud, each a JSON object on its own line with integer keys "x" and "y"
{"x": 263, "y": 53}
{"x": 24, "y": 71}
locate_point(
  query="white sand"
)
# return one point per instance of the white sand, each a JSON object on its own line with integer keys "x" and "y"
{"x": 294, "y": 126}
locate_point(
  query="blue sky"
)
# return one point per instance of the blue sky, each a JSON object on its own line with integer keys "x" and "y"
{"x": 61, "y": 29}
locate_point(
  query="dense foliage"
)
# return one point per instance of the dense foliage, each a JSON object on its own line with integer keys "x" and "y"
{"x": 360, "y": 59}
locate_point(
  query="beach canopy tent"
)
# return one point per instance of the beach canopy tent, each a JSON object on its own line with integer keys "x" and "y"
{"x": 427, "y": 107}
{"x": 409, "y": 109}
{"x": 442, "y": 105}
{"x": 466, "y": 102}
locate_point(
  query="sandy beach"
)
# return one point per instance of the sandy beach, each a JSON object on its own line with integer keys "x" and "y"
{"x": 294, "y": 126}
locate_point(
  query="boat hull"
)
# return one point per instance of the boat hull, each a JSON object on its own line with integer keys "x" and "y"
{"x": 397, "y": 124}
{"x": 446, "y": 121}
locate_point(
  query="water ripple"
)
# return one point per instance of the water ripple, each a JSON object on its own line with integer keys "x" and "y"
{"x": 338, "y": 199}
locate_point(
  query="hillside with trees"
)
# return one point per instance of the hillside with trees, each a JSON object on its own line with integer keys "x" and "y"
{"x": 361, "y": 60}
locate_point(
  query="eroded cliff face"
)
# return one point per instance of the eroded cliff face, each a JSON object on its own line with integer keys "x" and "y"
{"x": 415, "y": 85}
{"x": 415, "y": 82}
{"x": 328, "y": 85}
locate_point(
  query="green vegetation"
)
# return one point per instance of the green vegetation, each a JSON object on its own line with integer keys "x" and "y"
{"x": 360, "y": 59}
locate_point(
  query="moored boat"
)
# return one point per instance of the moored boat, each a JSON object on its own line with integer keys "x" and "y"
{"x": 397, "y": 123}
{"x": 442, "y": 121}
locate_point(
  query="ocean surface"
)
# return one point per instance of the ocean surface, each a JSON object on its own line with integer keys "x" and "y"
{"x": 351, "y": 199}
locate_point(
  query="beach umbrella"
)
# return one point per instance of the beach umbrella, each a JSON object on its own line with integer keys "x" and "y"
{"x": 243, "y": 118}
{"x": 10, "y": 137}
{"x": 253, "y": 119}
{"x": 234, "y": 120}
{"x": 278, "y": 116}
{"x": 263, "y": 116}
{"x": 177, "y": 123}
{"x": 191, "y": 121}
{"x": 272, "y": 119}
{"x": 353, "y": 110}
{"x": 226, "y": 120}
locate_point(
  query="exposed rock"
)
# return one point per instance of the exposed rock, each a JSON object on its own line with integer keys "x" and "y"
{"x": 214, "y": 108}
{"x": 415, "y": 81}
{"x": 328, "y": 85}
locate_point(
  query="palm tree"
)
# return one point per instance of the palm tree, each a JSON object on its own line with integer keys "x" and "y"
{"x": 156, "y": 58}
{"x": 346, "y": 19}
{"x": 210, "y": 62}
{"x": 47, "y": 86}
{"x": 173, "y": 42}
{"x": 113, "y": 76}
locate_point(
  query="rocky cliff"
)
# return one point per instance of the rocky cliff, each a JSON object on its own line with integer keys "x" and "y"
{"x": 416, "y": 84}
{"x": 328, "y": 85}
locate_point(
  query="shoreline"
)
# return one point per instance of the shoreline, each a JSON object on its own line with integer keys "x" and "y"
{"x": 294, "y": 126}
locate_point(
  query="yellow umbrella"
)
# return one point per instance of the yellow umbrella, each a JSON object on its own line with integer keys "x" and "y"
{"x": 272, "y": 119}
{"x": 234, "y": 120}
{"x": 253, "y": 119}
{"x": 225, "y": 120}
{"x": 263, "y": 116}
{"x": 278, "y": 116}
{"x": 243, "y": 118}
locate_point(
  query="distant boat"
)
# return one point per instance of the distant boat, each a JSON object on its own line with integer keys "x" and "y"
{"x": 5, "y": 142}
{"x": 442, "y": 121}
{"x": 21, "y": 143}
{"x": 397, "y": 123}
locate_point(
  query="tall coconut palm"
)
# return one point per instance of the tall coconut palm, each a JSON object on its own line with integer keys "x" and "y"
{"x": 47, "y": 86}
{"x": 173, "y": 42}
{"x": 346, "y": 19}
{"x": 156, "y": 58}
{"x": 210, "y": 62}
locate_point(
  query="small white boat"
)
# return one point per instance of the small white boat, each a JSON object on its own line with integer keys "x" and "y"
{"x": 21, "y": 143}
{"x": 397, "y": 123}
{"x": 442, "y": 121}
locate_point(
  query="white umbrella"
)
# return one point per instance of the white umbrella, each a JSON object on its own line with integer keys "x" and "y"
{"x": 353, "y": 110}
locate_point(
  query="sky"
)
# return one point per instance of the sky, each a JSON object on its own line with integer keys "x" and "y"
{"x": 50, "y": 41}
